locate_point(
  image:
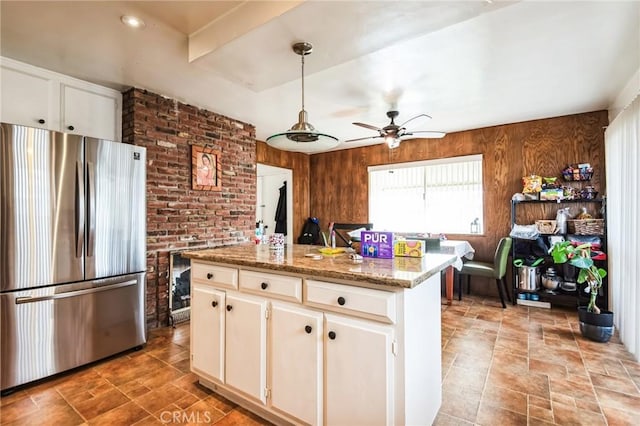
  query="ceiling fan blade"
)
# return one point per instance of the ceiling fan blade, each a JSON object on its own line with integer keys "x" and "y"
{"x": 416, "y": 117}
{"x": 425, "y": 134}
{"x": 368, "y": 126}
{"x": 363, "y": 139}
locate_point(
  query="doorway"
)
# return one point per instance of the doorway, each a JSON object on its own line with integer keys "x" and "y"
{"x": 269, "y": 180}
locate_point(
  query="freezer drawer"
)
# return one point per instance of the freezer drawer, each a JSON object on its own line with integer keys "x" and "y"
{"x": 48, "y": 330}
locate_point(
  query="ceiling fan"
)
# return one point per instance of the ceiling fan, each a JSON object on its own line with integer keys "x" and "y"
{"x": 393, "y": 133}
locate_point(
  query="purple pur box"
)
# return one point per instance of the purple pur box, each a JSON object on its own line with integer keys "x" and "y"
{"x": 376, "y": 244}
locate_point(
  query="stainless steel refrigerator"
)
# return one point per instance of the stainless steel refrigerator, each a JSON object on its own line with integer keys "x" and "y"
{"x": 72, "y": 265}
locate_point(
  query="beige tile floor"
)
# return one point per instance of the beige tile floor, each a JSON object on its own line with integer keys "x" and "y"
{"x": 520, "y": 366}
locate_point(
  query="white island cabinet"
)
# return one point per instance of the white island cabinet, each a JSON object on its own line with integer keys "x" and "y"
{"x": 298, "y": 347}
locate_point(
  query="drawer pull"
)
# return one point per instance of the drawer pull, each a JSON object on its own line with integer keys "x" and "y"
{"x": 332, "y": 335}
{"x": 264, "y": 286}
{"x": 209, "y": 275}
{"x": 229, "y": 308}
{"x": 308, "y": 329}
{"x": 71, "y": 128}
{"x": 341, "y": 301}
{"x": 214, "y": 303}
{"x": 41, "y": 121}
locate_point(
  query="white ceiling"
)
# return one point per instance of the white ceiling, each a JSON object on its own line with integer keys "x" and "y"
{"x": 469, "y": 64}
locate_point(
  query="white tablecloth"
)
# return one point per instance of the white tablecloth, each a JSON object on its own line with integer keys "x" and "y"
{"x": 460, "y": 248}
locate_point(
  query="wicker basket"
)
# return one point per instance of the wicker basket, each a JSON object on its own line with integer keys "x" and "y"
{"x": 586, "y": 226}
{"x": 546, "y": 226}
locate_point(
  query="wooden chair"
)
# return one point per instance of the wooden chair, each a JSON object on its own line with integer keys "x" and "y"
{"x": 496, "y": 270}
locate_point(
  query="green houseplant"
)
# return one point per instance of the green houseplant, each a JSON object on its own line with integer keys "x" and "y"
{"x": 595, "y": 324}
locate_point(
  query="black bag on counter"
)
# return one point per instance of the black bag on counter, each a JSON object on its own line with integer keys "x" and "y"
{"x": 310, "y": 232}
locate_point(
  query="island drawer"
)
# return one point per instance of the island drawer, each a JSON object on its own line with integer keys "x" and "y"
{"x": 218, "y": 276}
{"x": 272, "y": 285}
{"x": 357, "y": 301}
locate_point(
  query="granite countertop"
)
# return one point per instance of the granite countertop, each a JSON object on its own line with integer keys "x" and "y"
{"x": 406, "y": 272}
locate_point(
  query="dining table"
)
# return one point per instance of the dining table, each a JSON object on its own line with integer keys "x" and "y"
{"x": 463, "y": 250}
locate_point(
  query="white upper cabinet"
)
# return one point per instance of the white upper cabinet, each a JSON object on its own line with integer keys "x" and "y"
{"x": 27, "y": 98}
{"x": 36, "y": 97}
{"x": 88, "y": 112}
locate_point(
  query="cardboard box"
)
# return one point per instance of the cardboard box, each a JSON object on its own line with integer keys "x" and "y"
{"x": 409, "y": 248}
{"x": 376, "y": 244}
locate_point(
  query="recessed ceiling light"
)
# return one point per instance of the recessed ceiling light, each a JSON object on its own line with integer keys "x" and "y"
{"x": 132, "y": 21}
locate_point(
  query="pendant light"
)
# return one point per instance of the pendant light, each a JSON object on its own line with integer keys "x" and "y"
{"x": 302, "y": 137}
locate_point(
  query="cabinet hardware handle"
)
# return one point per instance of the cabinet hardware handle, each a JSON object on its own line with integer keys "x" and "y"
{"x": 332, "y": 335}
{"x": 229, "y": 308}
{"x": 41, "y": 121}
{"x": 341, "y": 301}
{"x": 71, "y": 128}
{"x": 214, "y": 303}
{"x": 264, "y": 286}
{"x": 308, "y": 329}
{"x": 209, "y": 275}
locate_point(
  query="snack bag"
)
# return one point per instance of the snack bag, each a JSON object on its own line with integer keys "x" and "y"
{"x": 531, "y": 184}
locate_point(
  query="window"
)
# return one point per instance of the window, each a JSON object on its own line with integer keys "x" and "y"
{"x": 437, "y": 196}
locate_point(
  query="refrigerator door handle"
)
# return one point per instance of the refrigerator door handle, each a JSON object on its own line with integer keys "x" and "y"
{"x": 28, "y": 299}
{"x": 91, "y": 214}
{"x": 79, "y": 209}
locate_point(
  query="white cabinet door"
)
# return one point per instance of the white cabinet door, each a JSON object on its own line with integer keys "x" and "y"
{"x": 295, "y": 354}
{"x": 207, "y": 331}
{"x": 90, "y": 112}
{"x": 359, "y": 375}
{"x": 28, "y": 99}
{"x": 246, "y": 344}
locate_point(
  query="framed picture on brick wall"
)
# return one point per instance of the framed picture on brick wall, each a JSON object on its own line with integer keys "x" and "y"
{"x": 205, "y": 169}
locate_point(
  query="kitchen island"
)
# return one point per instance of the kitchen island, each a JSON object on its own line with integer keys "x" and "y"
{"x": 300, "y": 340}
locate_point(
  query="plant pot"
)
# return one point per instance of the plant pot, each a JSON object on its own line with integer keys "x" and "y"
{"x": 596, "y": 327}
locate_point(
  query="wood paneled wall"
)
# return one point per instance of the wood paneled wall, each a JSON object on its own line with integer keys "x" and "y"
{"x": 543, "y": 147}
{"x": 299, "y": 164}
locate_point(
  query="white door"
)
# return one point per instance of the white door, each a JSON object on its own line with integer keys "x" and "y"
{"x": 90, "y": 113}
{"x": 28, "y": 99}
{"x": 246, "y": 344}
{"x": 295, "y": 352}
{"x": 359, "y": 372}
{"x": 207, "y": 331}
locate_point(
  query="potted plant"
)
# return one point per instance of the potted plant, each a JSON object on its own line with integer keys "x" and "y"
{"x": 595, "y": 324}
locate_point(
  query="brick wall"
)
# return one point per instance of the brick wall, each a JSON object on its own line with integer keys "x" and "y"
{"x": 179, "y": 217}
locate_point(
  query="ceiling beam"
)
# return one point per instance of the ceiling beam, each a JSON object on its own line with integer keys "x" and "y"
{"x": 242, "y": 19}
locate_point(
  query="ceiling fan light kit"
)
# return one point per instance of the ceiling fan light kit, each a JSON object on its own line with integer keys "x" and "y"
{"x": 302, "y": 137}
{"x": 393, "y": 134}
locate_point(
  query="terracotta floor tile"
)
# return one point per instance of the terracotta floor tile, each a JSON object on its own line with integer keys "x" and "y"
{"x": 125, "y": 414}
{"x": 614, "y": 383}
{"x": 547, "y": 368}
{"x": 220, "y": 403}
{"x": 612, "y": 399}
{"x": 189, "y": 383}
{"x": 460, "y": 405}
{"x": 504, "y": 398}
{"x": 17, "y": 409}
{"x": 58, "y": 415}
{"x": 539, "y": 402}
{"x": 11, "y": 398}
{"x": 466, "y": 378}
{"x": 134, "y": 389}
{"x": 529, "y": 383}
{"x": 149, "y": 421}
{"x": 541, "y": 413}
{"x": 566, "y": 415}
{"x": 616, "y": 417}
{"x": 489, "y": 415}
{"x": 102, "y": 403}
{"x": 161, "y": 397}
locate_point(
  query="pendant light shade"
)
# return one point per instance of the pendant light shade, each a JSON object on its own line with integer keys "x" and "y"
{"x": 302, "y": 137}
